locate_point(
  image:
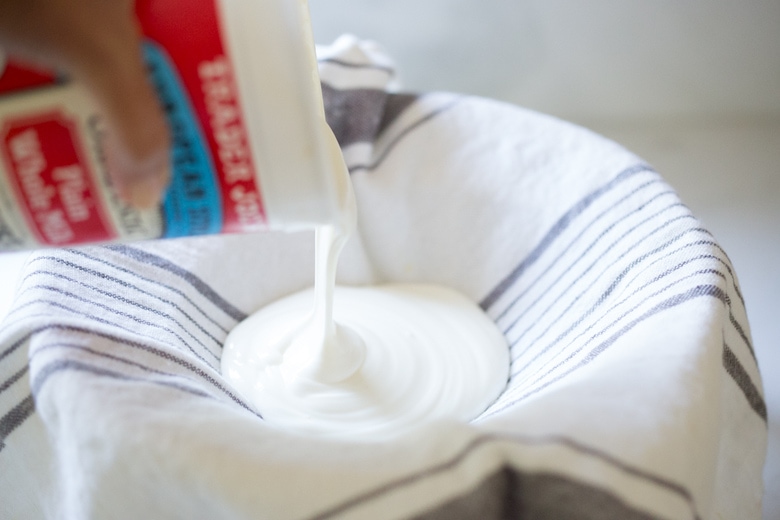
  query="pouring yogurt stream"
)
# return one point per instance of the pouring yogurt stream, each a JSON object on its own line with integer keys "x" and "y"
{"x": 252, "y": 151}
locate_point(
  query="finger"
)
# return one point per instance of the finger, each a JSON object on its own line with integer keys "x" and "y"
{"x": 137, "y": 144}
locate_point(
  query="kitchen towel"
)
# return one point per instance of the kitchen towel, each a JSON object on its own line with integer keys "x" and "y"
{"x": 634, "y": 390}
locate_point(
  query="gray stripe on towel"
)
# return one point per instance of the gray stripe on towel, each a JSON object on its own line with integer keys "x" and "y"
{"x": 742, "y": 379}
{"x": 354, "y": 115}
{"x": 98, "y": 319}
{"x": 598, "y": 262}
{"x": 71, "y": 365}
{"x": 509, "y": 494}
{"x": 146, "y": 280}
{"x": 15, "y": 417}
{"x": 352, "y": 65}
{"x": 487, "y": 439}
{"x": 131, "y": 307}
{"x": 199, "y": 285}
{"x": 671, "y": 302}
{"x": 402, "y": 134}
{"x": 166, "y": 303}
{"x": 557, "y": 229}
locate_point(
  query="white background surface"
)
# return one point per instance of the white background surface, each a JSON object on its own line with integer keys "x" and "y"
{"x": 580, "y": 60}
{"x": 693, "y": 87}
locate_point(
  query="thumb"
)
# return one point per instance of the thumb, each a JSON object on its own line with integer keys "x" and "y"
{"x": 137, "y": 141}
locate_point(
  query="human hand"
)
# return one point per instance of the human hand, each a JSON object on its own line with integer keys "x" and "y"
{"x": 98, "y": 43}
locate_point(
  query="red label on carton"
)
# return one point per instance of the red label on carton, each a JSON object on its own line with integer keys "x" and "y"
{"x": 15, "y": 77}
{"x": 204, "y": 66}
{"x": 52, "y": 181}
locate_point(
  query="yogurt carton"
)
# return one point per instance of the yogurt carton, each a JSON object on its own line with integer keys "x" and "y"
{"x": 251, "y": 149}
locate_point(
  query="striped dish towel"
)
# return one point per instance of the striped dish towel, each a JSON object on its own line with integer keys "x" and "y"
{"x": 634, "y": 389}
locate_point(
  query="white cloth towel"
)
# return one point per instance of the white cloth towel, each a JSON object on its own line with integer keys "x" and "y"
{"x": 634, "y": 389}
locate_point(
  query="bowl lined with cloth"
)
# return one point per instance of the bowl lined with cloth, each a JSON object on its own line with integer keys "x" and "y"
{"x": 633, "y": 391}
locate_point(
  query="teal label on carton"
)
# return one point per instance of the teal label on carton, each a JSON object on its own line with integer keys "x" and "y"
{"x": 192, "y": 204}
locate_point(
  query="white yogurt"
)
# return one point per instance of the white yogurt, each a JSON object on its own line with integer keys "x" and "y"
{"x": 400, "y": 355}
{"x": 365, "y": 362}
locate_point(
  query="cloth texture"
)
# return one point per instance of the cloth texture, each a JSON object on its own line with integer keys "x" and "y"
{"x": 634, "y": 390}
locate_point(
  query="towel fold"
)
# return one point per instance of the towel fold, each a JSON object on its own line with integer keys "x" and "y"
{"x": 634, "y": 389}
